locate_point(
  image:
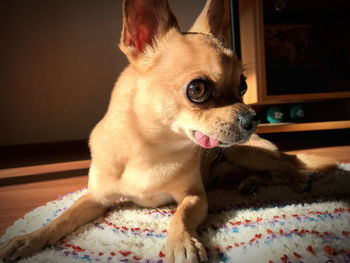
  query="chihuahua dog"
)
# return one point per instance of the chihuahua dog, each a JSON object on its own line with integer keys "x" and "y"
{"x": 180, "y": 96}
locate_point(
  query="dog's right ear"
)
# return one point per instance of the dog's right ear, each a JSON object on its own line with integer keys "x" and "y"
{"x": 144, "y": 22}
{"x": 215, "y": 20}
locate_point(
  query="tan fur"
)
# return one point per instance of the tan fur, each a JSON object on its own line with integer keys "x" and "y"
{"x": 144, "y": 147}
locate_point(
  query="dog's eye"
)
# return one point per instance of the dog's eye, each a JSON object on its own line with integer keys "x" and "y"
{"x": 198, "y": 91}
{"x": 243, "y": 86}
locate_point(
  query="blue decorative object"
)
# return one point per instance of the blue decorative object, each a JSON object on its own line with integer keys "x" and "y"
{"x": 275, "y": 115}
{"x": 297, "y": 112}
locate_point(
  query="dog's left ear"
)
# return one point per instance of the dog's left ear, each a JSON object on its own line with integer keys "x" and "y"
{"x": 215, "y": 20}
{"x": 143, "y": 22}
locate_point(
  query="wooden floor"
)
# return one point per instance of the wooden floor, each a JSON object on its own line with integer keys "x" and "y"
{"x": 18, "y": 199}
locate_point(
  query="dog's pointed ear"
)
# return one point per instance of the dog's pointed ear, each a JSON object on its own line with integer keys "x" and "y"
{"x": 144, "y": 22}
{"x": 215, "y": 20}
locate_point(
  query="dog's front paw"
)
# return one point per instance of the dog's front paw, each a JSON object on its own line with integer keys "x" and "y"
{"x": 184, "y": 248}
{"x": 21, "y": 247}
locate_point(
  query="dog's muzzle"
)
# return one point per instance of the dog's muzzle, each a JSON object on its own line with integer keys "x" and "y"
{"x": 248, "y": 122}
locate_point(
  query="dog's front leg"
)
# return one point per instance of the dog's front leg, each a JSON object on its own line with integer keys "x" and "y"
{"x": 182, "y": 244}
{"x": 82, "y": 211}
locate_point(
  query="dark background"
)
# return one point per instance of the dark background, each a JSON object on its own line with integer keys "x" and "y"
{"x": 59, "y": 61}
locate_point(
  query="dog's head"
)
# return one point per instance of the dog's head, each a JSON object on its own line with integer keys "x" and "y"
{"x": 190, "y": 83}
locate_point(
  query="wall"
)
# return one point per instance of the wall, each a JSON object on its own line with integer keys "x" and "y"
{"x": 59, "y": 61}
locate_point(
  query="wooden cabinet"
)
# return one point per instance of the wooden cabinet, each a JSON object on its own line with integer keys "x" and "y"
{"x": 304, "y": 20}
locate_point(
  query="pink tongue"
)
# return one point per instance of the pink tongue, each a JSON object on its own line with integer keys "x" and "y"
{"x": 205, "y": 141}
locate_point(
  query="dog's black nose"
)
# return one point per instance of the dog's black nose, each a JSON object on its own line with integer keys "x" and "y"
{"x": 248, "y": 121}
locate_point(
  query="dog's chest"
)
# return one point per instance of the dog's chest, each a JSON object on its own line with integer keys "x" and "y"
{"x": 155, "y": 200}
{"x": 145, "y": 179}
{"x": 149, "y": 182}
{"x": 146, "y": 187}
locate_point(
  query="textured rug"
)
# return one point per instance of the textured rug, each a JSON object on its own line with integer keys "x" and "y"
{"x": 274, "y": 225}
